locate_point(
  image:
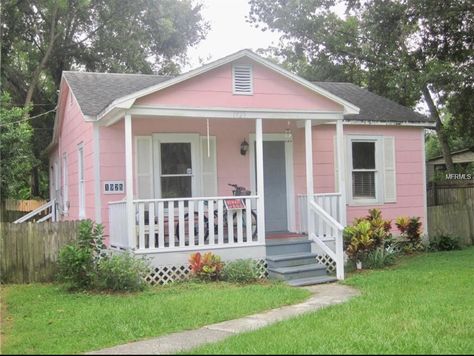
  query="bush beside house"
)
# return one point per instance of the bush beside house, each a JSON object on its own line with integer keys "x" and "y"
{"x": 84, "y": 264}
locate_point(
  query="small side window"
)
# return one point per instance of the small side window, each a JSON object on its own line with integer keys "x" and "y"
{"x": 363, "y": 170}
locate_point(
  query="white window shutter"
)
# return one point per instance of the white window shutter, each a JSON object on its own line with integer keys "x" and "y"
{"x": 144, "y": 167}
{"x": 390, "y": 183}
{"x": 208, "y": 167}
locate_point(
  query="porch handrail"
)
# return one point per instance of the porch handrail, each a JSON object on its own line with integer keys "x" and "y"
{"x": 329, "y": 202}
{"x": 322, "y": 194}
{"x": 326, "y": 217}
{"x": 338, "y": 254}
{"x": 51, "y": 204}
{"x": 195, "y": 198}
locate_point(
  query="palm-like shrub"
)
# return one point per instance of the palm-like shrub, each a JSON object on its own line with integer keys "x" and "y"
{"x": 410, "y": 229}
{"x": 366, "y": 235}
{"x": 206, "y": 267}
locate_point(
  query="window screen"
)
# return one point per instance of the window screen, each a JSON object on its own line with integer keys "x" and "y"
{"x": 363, "y": 170}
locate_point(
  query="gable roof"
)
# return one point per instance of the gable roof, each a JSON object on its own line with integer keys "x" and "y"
{"x": 95, "y": 91}
{"x": 127, "y": 100}
{"x": 98, "y": 93}
{"x": 373, "y": 107}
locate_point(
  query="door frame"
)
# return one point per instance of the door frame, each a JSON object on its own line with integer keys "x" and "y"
{"x": 289, "y": 172}
{"x": 192, "y": 138}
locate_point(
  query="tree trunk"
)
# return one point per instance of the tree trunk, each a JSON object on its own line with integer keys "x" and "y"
{"x": 442, "y": 137}
{"x": 37, "y": 73}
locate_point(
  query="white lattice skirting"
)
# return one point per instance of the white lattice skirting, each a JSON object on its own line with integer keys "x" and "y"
{"x": 328, "y": 262}
{"x": 161, "y": 275}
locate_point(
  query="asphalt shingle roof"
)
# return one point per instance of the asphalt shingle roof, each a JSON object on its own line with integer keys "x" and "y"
{"x": 372, "y": 107}
{"x": 95, "y": 91}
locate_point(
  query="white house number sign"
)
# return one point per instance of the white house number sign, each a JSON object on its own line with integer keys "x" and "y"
{"x": 114, "y": 187}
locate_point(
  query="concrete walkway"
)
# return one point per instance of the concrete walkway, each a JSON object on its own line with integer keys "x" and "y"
{"x": 323, "y": 296}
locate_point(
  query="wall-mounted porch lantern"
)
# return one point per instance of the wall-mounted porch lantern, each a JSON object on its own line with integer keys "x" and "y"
{"x": 244, "y": 147}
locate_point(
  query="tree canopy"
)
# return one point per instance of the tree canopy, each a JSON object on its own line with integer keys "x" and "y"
{"x": 402, "y": 49}
{"x": 42, "y": 38}
{"x": 15, "y": 150}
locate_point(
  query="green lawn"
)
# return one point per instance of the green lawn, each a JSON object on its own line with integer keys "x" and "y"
{"x": 424, "y": 305}
{"x": 42, "y": 318}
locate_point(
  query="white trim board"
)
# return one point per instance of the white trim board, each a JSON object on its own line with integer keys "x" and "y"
{"x": 157, "y": 111}
{"x": 289, "y": 165}
{"x": 97, "y": 185}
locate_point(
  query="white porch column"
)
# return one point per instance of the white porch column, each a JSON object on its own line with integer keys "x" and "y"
{"x": 129, "y": 182}
{"x": 260, "y": 185}
{"x": 341, "y": 171}
{"x": 308, "y": 135}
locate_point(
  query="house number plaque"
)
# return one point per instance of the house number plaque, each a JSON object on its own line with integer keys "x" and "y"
{"x": 114, "y": 187}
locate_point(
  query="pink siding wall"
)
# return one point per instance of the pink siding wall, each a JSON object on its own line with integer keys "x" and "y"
{"x": 409, "y": 168}
{"x": 214, "y": 89}
{"x": 73, "y": 131}
{"x": 409, "y": 146}
{"x": 233, "y": 167}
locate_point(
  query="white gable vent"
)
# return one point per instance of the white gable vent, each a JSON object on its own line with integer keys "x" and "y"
{"x": 242, "y": 80}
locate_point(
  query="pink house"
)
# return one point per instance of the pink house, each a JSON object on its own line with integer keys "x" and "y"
{"x": 152, "y": 157}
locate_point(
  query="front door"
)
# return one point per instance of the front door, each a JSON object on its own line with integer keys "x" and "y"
{"x": 274, "y": 171}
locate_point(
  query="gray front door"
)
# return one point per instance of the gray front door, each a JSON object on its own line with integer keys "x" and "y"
{"x": 274, "y": 171}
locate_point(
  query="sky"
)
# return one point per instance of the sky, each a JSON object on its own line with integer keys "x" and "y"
{"x": 229, "y": 32}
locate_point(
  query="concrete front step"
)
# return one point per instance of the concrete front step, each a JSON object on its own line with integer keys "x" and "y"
{"x": 291, "y": 259}
{"x": 311, "y": 281}
{"x": 297, "y": 272}
{"x": 288, "y": 246}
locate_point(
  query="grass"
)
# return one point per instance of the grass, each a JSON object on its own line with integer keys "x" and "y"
{"x": 425, "y": 305}
{"x": 44, "y": 319}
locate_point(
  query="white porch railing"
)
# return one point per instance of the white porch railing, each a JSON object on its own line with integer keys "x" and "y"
{"x": 326, "y": 232}
{"x": 185, "y": 224}
{"x": 327, "y": 201}
{"x": 321, "y": 220}
{"x": 49, "y": 209}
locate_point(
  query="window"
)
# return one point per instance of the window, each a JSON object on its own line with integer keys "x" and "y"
{"x": 363, "y": 170}
{"x": 65, "y": 184}
{"x": 56, "y": 176}
{"x": 242, "y": 80}
{"x": 370, "y": 174}
{"x": 81, "y": 182}
{"x": 176, "y": 170}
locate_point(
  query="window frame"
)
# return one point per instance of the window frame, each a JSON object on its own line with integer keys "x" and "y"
{"x": 81, "y": 182}
{"x": 378, "y": 171}
{"x": 65, "y": 183}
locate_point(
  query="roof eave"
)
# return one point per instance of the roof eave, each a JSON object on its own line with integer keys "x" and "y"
{"x": 428, "y": 125}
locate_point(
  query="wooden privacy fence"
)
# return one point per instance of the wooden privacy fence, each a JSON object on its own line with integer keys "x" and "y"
{"x": 12, "y": 209}
{"x": 449, "y": 193}
{"x": 456, "y": 220}
{"x": 23, "y": 205}
{"x": 29, "y": 251}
